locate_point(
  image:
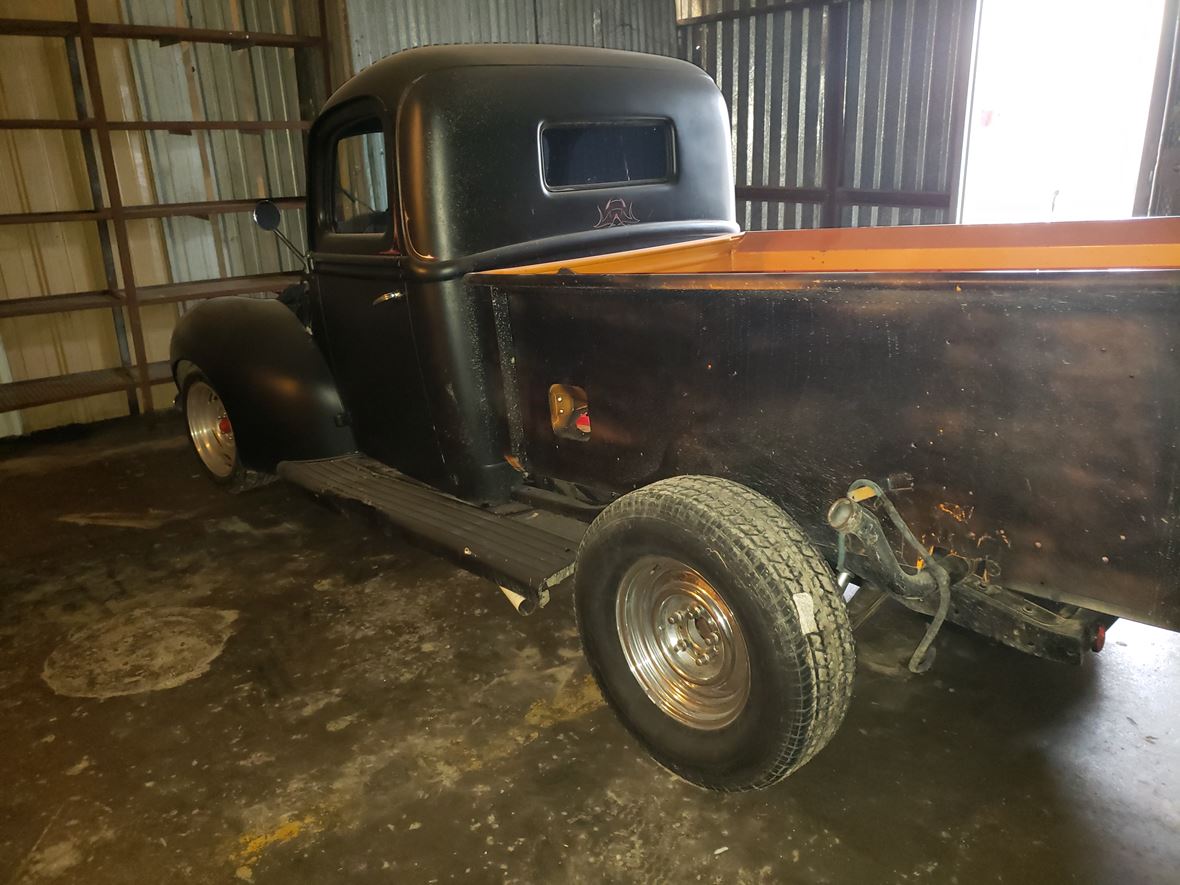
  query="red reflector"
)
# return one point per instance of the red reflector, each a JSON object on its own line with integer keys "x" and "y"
{"x": 224, "y": 426}
{"x": 582, "y": 422}
{"x": 1099, "y": 638}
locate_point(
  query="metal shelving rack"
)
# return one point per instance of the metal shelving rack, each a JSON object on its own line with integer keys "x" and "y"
{"x": 111, "y": 215}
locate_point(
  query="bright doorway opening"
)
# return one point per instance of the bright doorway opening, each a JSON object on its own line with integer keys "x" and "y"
{"x": 1059, "y": 109}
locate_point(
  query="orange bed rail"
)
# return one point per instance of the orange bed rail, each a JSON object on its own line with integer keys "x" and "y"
{"x": 1138, "y": 243}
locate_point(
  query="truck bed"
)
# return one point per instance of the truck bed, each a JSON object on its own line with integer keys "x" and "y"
{"x": 1026, "y": 377}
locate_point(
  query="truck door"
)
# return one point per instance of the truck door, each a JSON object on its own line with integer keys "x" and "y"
{"x": 364, "y": 299}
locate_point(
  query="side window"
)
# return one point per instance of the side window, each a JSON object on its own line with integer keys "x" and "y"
{"x": 360, "y": 192}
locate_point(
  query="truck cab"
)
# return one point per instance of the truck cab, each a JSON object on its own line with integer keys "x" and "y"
{"x": 441, "y": 161}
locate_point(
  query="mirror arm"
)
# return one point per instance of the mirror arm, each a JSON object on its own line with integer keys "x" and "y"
{"x": 300, "y": 255}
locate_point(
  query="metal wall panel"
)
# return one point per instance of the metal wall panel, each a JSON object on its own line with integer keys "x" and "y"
{"x": 1159, "y": 178}
{"x": 142, "y": 80}
{"x": 777, "y": 215}
{"x": 637, "y": 25}
{"x": 687, "y": 9}
{"x": 900, "y": 95}
{"x": 770, "y": 68}
{"x": 216, "y": 82}
{"x": 902, "y": 84}
{"x": 378, "y": 28}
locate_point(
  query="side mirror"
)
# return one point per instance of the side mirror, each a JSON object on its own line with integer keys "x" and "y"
{"x": 266, "y": 215}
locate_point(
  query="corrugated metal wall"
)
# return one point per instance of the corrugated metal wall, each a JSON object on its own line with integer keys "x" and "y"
{"x": 894, "y": 72}
{"x": 1159, "y": 178}
{"x": 212, "y": 81}
{"x": 215, "y": 82}
{"x": 770, "y": 68}
{"x": 378, "y": 28}
{"x": 904, "y": 102}
{"x": 44, "y": 170}
{"x": 142, "y": 80}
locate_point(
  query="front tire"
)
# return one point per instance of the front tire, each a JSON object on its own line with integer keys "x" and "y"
{"x": 211, "y": 433}
{"x": 714, "y": 630}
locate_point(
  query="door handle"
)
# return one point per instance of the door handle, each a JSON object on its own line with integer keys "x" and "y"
{"x": 388, "y": 296}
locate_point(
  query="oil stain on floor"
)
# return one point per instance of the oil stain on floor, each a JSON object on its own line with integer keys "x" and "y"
{"x": 148, "y": 649}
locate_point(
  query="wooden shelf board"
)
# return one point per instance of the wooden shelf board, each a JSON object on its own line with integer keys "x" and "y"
{"x": 45, "y": 391}
{"x": 46, "y": 304}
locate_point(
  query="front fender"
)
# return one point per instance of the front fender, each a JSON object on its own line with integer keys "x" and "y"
{"x": 275, "y": 384}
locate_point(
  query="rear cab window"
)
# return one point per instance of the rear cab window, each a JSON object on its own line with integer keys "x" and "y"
{"x": 580, "y": 156}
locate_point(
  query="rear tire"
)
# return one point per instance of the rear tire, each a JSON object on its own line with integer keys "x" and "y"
{"x": 714, "y": 630}
{"x": 210, "y": 431}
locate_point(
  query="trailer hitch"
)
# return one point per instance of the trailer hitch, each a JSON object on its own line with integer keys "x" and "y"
{"x": 928, "y": 587}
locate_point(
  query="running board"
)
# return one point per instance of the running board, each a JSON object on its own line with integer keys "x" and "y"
{"x": 514, "y": 550}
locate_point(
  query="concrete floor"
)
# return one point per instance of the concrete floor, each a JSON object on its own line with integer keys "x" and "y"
{"x": 198, "y": 687}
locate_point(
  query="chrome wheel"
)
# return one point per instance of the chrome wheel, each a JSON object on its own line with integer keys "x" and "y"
{"x": 682, "y": 643}
{"x": 210, "y": 429}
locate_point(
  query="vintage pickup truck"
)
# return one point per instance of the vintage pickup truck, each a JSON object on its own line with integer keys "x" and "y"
{"x": 532, "y": 337}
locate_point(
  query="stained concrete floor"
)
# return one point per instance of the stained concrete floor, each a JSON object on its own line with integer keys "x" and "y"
{"x": 199, "y": 687}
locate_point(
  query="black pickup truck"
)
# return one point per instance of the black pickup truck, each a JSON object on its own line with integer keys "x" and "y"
{"x": 532, "y": 337}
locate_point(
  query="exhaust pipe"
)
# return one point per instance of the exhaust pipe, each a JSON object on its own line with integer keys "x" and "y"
{"x": 523, "y": 604}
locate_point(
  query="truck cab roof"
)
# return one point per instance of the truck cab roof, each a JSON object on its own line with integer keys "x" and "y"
{"x": 495, "y": 154}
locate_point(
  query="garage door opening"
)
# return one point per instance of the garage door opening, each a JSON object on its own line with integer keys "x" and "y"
{"x": 1060, "y": 104}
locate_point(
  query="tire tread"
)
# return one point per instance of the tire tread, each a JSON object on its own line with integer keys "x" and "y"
{"x": 776, "y": 550}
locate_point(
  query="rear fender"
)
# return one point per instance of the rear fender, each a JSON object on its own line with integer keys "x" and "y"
{"x": 275, "y": 384}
